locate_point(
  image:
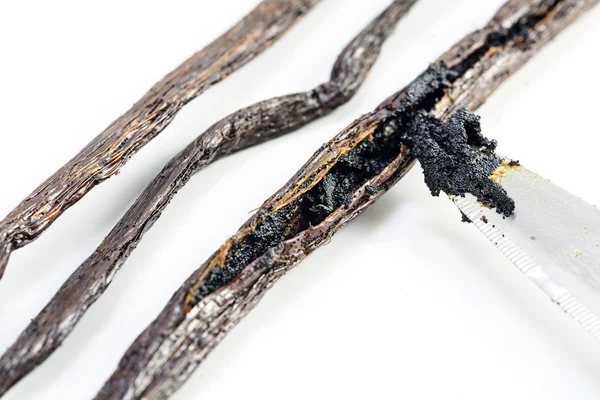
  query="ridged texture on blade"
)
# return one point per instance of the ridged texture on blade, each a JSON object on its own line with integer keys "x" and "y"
{"x": 528, "y": 266}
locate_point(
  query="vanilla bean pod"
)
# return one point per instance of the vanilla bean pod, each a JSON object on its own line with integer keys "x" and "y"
{"x": 341, "y": 180}
{"x": 109, "y": 151}
{"x": 249, "y": 126}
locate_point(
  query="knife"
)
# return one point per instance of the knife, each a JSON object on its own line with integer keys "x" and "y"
{"x": 552, "y": 237}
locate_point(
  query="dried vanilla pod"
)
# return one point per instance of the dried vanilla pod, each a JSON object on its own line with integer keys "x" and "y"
{"x": 342, "y": 179}
{"x": 249, "y": 126}
{"x": 104, "y": 156}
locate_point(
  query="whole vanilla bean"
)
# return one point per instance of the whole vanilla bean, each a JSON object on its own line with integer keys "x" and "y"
{"x": 108, "y": 152}
{"x": 249, "y": 126}
{"x": 341, "y": 180}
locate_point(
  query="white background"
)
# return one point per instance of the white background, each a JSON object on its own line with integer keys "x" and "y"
{"x": 406, "y": 302}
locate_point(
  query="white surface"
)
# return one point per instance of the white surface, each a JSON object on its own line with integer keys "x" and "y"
{"x": 406, "y": 302}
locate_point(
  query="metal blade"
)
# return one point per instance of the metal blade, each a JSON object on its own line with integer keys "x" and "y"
{"x": 553, "y": 237}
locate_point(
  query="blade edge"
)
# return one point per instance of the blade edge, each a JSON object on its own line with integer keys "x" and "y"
{"x": 534, "y": 271}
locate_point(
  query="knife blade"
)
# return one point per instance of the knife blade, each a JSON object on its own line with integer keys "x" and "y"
{"x": 552, "y": 237}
